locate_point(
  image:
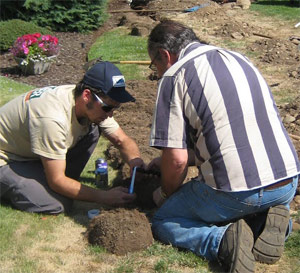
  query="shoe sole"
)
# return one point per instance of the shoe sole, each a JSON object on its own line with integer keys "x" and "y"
{"x": 269, "y": 246}
{"x": 243, "y": 260}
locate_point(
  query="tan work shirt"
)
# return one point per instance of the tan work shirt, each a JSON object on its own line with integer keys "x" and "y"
{"x": 42, "y": 122}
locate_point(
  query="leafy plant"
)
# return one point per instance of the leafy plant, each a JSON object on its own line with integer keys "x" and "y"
{"x": 35, "y": 47}
{"x": 10, "y": 30}
{"x": 75, "y": 15}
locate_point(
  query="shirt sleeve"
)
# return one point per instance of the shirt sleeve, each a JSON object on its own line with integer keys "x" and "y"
{"x": 168, "y": 127}
{"x": 109, "y": 126}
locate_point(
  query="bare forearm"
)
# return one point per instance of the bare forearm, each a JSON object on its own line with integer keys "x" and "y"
{"x": 127, "y": 147}
{"x": 60, "y": 183}
{"x": 129, "y": 150}
{"x": 171, "y": 180}
{"x": 75, "y": 190}
{"x": 173, "y": 171}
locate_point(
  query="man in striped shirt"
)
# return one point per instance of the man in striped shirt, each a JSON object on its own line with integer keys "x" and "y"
{"x": 214, "y": 110}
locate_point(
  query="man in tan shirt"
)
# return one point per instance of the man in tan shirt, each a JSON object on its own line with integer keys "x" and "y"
{"x": 47, "y": 136}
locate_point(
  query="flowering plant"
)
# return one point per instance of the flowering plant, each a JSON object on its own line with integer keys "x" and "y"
{"x": 35, "y": 47}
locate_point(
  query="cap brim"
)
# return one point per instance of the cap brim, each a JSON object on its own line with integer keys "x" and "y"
{"x": 119, "y": 94}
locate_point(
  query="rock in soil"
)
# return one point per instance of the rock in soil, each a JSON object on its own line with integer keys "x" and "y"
{"x": 120, "y": 231}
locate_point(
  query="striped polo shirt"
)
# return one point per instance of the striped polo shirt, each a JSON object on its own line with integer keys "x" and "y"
{"x": 217, "y": 103}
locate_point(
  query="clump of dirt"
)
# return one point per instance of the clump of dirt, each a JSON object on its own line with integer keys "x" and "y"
{"x": 139, "y": 25}
{"x": 144, "y": 186}
{"x": 120, "y": 231}
{"x": 161, "y": 5}
{"x": 276, "y": 51}
{"x": 234, "y": 29}
{"x": 290, "y": 114}
{"x": 295, "y": 73}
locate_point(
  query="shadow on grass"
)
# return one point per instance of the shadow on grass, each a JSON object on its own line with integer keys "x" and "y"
{"x": 79, "y": 212}
{"x": 5, "y": 203}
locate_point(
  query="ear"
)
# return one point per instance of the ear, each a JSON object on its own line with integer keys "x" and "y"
{"x": 167, "y": 57}
{"x": 86, "y": 95}
{"x": 164, "y": 55}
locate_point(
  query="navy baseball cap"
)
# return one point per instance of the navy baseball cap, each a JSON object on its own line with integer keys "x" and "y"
{"x": 108, "y": 78}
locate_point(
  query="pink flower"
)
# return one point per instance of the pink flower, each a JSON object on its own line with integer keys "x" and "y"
{"x": 41, "y": 45}
{"x": 35, "y": 46}
{"x": 25, "y": 49}
{"x": 45, "y": 37}
{"x": 37, "y": 35}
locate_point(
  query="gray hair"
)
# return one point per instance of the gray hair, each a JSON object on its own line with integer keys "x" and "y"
{"x": 171, "y": 36}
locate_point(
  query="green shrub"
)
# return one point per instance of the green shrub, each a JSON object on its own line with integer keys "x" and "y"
{"x": 10, "y": 30}
{"x": 73, "y": 15}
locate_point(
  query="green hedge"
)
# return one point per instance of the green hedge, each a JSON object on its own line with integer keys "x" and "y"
{"x": 70, "y": 15}
{"x": 10, "y": 30}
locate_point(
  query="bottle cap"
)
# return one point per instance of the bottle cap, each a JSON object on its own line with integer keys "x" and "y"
{"x": 92, "y": 213}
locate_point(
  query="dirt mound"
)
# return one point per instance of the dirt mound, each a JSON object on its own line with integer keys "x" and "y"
{"x": 161, "y": 5}
{"x": 295, "y": 72}
{"x": 233, "y": 29}
{"x": 120, "y": 231}
{"x": 290, "y": 114}
{"x": 276, "y": 51}
{"x": 139, "y": 25}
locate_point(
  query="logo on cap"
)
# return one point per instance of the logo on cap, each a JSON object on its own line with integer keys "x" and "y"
{"x": 118, "y": 81}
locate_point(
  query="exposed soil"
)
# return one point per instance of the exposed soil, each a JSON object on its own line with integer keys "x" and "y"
{"x": 120, "y": 231}
{"x": 274, "y": 51}
{"x": 144, "y": 185}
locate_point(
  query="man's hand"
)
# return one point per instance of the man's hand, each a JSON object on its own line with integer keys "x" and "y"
{"x": 118, "y": 196}
{"x": 136, "y": 162}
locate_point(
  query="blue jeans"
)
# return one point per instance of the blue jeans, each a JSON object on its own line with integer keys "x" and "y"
{"x": 194, "y": 217}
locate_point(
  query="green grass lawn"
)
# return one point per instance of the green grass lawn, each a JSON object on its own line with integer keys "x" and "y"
{"x": 10, "y": 89}
{"x": 277, "y": 8}
{"x": 117, "y": 45}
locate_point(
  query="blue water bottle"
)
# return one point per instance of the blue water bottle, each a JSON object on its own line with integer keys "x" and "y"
{"x": 101, "y": 173}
